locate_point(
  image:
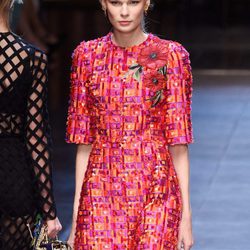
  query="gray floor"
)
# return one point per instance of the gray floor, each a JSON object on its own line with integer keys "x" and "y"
{"x": 220, "y": 164}
{"x": 220, "y": 161}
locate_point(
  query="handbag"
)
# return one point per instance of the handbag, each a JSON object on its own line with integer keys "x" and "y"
{"x": 40, "y": 239}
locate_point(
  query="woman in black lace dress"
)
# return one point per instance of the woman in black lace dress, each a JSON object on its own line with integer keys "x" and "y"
{"x": 25, "y": 158}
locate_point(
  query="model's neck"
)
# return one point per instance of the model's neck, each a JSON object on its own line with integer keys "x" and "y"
{"x": 3, "y": 25}
{"x": 129, "y": 39}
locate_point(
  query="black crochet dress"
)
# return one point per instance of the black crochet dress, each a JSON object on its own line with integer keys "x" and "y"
{"x": 25, "y": 157}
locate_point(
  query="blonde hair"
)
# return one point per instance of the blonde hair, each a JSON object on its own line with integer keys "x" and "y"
{"x": 5, "y": 10}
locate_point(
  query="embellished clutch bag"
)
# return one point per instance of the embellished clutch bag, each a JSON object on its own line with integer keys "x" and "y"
{"x": 41, "y": 241}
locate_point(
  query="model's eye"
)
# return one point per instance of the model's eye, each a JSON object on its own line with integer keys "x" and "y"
{"x": 135, "y": 2}
{"x": 115, "y": 3}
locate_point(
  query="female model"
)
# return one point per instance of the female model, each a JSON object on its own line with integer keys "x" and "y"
{"x": 130, "y": 99}
{"x": 25, "y": 158}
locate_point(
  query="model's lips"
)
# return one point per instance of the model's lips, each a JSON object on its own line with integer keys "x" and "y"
{"x": 124, "y": 23}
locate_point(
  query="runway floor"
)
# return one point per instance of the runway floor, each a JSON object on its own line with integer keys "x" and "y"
{"x": 220, "y": 164}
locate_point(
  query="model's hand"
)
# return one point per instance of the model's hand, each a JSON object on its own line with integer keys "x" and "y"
{"x": 185, "y": 241}
{"x": 54, "y": 227}
{"x": 71, "y": 239}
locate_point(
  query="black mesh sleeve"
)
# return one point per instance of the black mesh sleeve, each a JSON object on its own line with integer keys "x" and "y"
{"x": 38, "y": 136}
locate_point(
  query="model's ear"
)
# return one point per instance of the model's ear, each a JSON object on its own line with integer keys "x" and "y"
{"x": 103, "y": 4}
{"x": 148, "y": 2}
{"x": 147, "y": 5}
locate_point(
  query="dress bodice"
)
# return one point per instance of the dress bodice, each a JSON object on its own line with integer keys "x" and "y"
{"x": 141, "y": 92}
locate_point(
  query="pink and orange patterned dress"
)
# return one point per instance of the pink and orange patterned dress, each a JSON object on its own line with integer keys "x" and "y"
{"x": 130, "y": 104}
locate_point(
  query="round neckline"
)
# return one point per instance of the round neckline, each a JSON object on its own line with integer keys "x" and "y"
{"x": 149, "y": 37}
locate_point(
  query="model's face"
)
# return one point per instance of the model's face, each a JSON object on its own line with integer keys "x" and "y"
{"x": 125, "y": 15}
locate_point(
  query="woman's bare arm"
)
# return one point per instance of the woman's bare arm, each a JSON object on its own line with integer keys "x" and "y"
{"x": 180, "y": 156}
{"x": 82, "y": 157}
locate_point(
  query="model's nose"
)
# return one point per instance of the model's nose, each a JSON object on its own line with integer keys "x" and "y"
{"x": 124, "y": 10}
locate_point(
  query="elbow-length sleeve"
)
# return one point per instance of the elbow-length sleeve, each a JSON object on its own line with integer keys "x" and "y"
{"x": 179, "y": 84}
{"x": 38, "y": 138}
{"x": 80, "y": 122}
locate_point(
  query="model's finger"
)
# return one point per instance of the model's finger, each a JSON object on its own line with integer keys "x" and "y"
{"x": 187, "y": 245}
{"x": 179, "y": 245}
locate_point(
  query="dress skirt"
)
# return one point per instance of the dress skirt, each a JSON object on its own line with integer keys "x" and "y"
{"x": 130, "y": 198}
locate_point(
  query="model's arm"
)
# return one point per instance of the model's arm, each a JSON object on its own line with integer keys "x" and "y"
{"x": 38, "y": 141}
{"x": 180, "y": 158}
{"x": 179, "y": 132}
{"x": 82, "y": 157}
{"x": 80, "y": 123}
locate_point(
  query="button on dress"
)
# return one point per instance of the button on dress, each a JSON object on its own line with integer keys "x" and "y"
{"x": 130, "y": 104}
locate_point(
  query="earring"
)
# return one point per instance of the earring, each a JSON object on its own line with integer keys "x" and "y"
{"x": 105, "y": 11}
{"x": 146, "y": 9}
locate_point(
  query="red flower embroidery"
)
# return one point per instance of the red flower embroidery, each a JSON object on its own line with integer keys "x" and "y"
{"x": 153, "y": 57}
{"x": 154, "y": 80}
{"x": 152, "y": 62}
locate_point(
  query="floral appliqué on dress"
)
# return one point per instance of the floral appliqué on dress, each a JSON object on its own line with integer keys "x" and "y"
{"x": 152, "y": 64}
